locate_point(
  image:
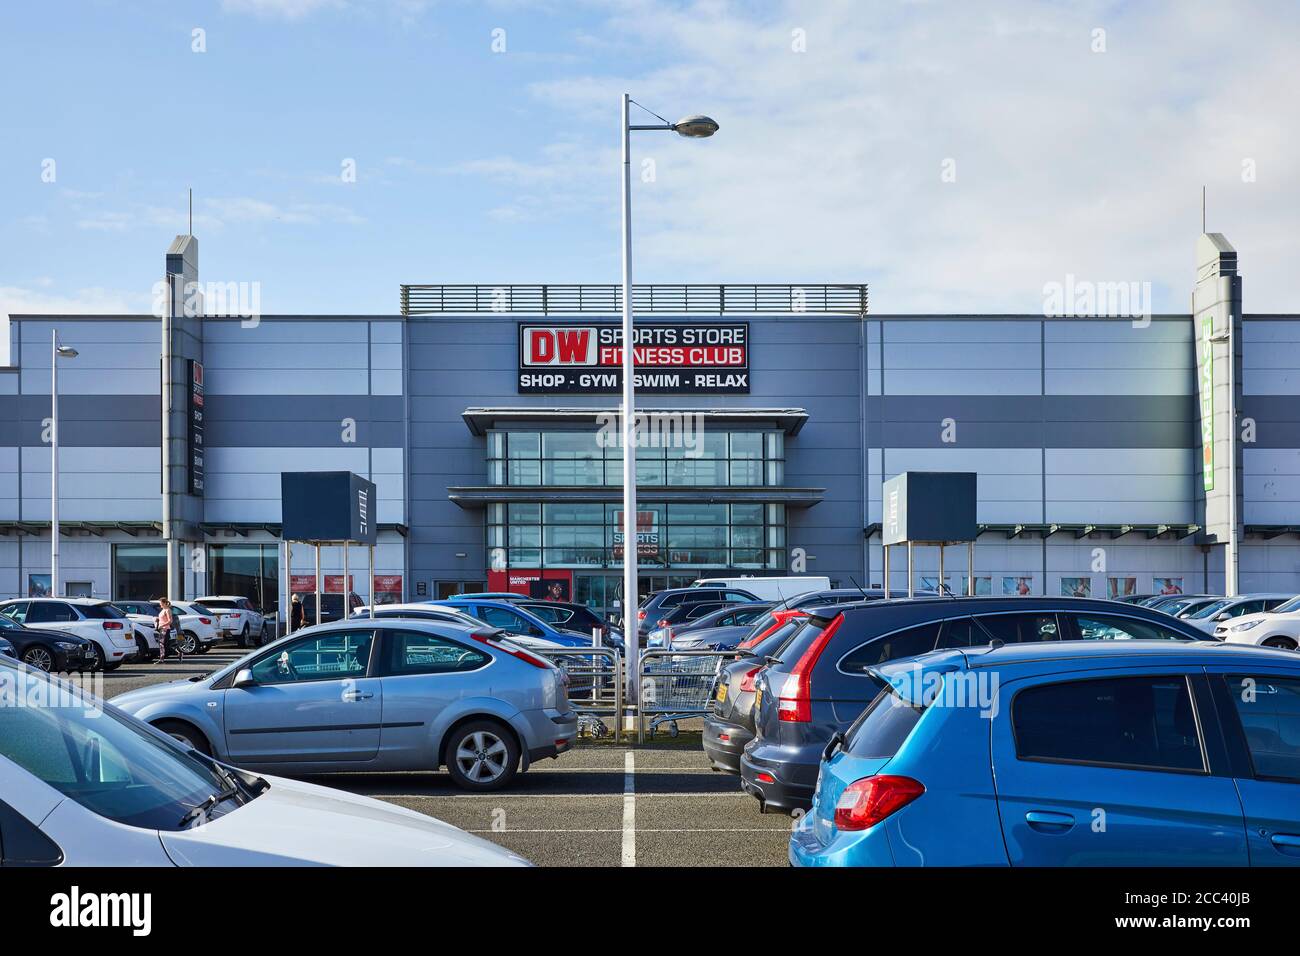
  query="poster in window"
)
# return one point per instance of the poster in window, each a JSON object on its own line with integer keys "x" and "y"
{"x": 1121, "y": 587}
{"x": 1167, "y": 585}
{"x": 1076, "y": 587}
{"x": 1020, "y": 585}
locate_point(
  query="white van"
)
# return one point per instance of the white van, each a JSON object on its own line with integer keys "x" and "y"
{"x": 769, "y": 589}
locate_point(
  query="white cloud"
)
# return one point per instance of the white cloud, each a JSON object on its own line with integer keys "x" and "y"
{"x": 19, "y": 300}
{"x": 281, "y": 9}
{"x": 828, "y": 162}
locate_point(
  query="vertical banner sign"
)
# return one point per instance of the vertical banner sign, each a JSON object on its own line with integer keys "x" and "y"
{"x": 194, "y": 433}
{"x": 1207, "y": 400}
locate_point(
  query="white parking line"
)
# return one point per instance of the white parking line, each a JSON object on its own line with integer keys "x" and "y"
{"x": 629, "y": 809}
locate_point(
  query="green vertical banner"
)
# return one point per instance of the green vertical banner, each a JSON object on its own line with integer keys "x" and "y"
{"x": 1207, "y": 399}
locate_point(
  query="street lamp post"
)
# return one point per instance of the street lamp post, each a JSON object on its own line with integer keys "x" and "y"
{"x": 695, "y": 127}
{"x": 57, "y": 351}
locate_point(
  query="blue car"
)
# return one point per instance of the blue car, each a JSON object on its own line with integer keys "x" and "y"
{"x": 514, "y": 620}
{"x": 1075, "y": 753}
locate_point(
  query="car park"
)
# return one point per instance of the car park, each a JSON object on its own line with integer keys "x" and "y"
{"x": 83, "y": 784}
{"x": 237, "y": 618}
{"x": 109, "y": 630}
{"x": 739, "y": 618}
{"x": 729, "y": 724}
{"x": 515, "y": 621}
{"x": 55, "y": 651}
{"x": 1149, "y": 753}
{"x": 1186, "y": 607}
{"x": 654, "y": 612}
{"x": 1210, "y": 615}
{"x": 821, "y": 682}
{"x": 769, "y": 588}
{"x": 1278, "y": 628}
{"x": 363, "y": 695}
{"x": 144, "y": 617}
{"x": 198, "y": 626}
{"x": 687, "y": 614}
{"x": 574, "y": 617}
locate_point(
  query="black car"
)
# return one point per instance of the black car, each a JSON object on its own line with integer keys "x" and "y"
{"x": 572, "y": 616}
{"x": 48, "y": 650}
{"x": 331, "y": 607}
{"x": 822, "y": 679}
{"x": 729, "y": 725}
{"x": 654, "y": 613}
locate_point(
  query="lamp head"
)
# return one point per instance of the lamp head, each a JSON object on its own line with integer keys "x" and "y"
{"x": 696, "y": 127}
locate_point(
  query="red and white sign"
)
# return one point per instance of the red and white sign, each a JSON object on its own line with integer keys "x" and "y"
{"x": 669, "y": 357}
{"x": 647, "y": 534}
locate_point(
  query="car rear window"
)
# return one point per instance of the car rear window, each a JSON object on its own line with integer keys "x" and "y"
{"x": 101, "y": 612}
{"x": 883, "y": 726}
{"x": 906, "y": 643}
{"x": 224, "y": 605}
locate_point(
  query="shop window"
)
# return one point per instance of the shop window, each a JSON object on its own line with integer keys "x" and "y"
{"x": 139, "y": 572}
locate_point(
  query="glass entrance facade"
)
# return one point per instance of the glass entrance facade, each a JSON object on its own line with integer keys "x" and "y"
{"x": 748, "y": 536}
{"x": 247, "y": 570}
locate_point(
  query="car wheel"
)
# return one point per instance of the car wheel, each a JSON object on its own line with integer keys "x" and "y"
{"x": 265, "y": 637}
{"x": 99, "y": 664}
{"x": 39, "y": 657}
{"x": 189, "y": 643}
{"x": 185, "y": 734}
{"x": 204, "y": 648}
{"x": 243, "y": 636}
{"x": 142, "y": 647}
{"x": 1283, "y": 642}
{"x": 482, "y": 755}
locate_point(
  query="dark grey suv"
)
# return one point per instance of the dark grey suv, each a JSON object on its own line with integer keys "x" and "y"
{"x": 658, "y": 605}
{"x": 821, "y": 682}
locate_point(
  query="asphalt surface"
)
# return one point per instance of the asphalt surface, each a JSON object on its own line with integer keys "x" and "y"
{"x": 599, "y": 805}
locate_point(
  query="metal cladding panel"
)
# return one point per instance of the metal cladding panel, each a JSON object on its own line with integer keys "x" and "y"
{"x": 327, "y": 506}
{"x": 930, "y": 506}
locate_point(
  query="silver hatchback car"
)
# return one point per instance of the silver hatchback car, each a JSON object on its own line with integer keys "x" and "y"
{"x": 363, "y": 695}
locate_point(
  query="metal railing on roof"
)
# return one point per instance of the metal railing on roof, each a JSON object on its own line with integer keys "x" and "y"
{"x": 848, "y": 299}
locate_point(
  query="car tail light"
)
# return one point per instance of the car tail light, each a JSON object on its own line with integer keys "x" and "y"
{"x": 747, "y": 682}
{"x": 640, "y": 615}
{"x": 663, "y": 622}
{"x": 866, "y": 802}
{"x": 764, "y": 777}
{"x": 205, "y": 620}
{"x": 489, "y": 638}
{"x": 795, "y": 700}
{"x": 112, "y": 625}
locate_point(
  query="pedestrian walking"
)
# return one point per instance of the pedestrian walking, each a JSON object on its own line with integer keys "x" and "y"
{"x": 295, "y": 614}
{"x": 167, "y": 630}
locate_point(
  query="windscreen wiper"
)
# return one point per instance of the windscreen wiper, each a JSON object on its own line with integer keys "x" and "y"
{"x": 197, "y": 811}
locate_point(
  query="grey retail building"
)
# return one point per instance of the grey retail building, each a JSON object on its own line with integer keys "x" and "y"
{"x": 1106, "y": 455}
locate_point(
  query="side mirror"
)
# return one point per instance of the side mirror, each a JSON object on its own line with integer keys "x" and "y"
{"x": 1223, "y": 617}
{"x": 244, "y": 678}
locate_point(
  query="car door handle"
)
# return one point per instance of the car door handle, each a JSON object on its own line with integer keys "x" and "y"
{"x": 1288, "y": 843}
{"x": 357, "y": 695}
{"x": 1047, "y": 822}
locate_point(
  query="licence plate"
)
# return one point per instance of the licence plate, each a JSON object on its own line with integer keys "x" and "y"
{"x": 722, "y": 693}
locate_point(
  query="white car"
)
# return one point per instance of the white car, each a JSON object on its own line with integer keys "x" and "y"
{"x": 144, "y": 616}
{"x": 1208, "y": 616}
{"x": 1279, "y": 627}
{"x": 111, "y": 631}
{"x": 237, "y": 618}
{"x": 198, "y": 626}
{"x": 83, "y": 784}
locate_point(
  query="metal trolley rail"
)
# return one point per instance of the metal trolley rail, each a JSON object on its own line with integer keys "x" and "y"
{"x": 676, "y": 685}
{"x": 595, "y": 685}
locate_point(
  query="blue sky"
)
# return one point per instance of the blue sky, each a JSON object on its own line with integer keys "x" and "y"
{"x": 839, "y": 121}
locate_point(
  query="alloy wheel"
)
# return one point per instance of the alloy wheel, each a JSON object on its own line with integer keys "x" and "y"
{"x": 39, "y": 657}
{"x": 481, "y": 756}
